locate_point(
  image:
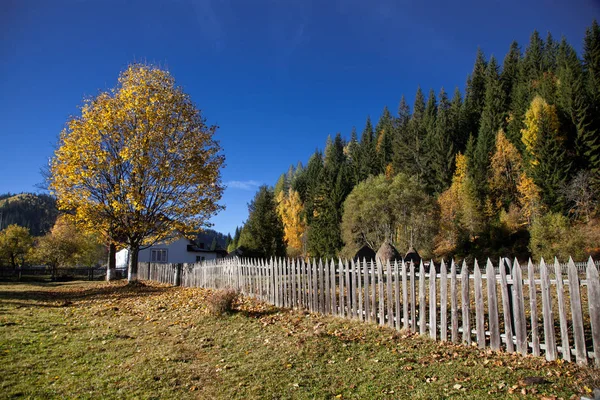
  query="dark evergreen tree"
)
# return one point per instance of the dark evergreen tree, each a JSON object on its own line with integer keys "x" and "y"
{"x": 591, "y": 68}
{"x": 368, "y": 154}
{"x": 384, "y": 137}
{"x": 262, "y": 235}
{"x": 416, "y": 133}
{"x": 492, "y": 119}
{"x": 312, "y": 175}
{"x": 442, "y": 153}
{"x": 475, "y": 95}
{"x": 402, "y": 149}
{"x": 458, "y": 134}
{"x": 324, "y": 236}
{"x": 510, "y": 73}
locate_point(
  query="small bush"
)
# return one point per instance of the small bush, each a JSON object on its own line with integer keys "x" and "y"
{"x": 221, "y": 301}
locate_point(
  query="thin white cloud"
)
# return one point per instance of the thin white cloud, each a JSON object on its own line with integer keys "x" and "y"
{"x": 243, "y": 185}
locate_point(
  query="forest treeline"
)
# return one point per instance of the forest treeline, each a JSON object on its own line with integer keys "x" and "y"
{"x": 509, "y": 166}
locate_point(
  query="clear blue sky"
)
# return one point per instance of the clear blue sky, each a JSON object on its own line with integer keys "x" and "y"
{"x": 277, "y": 76}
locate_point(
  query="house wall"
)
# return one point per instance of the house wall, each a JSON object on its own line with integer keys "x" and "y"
{"x": 176, "y": 253}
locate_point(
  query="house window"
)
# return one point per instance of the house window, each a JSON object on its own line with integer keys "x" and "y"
{"x": 158, "y": 255}
{"x": 201, "y": 245}
{"x": 200, "y": 258}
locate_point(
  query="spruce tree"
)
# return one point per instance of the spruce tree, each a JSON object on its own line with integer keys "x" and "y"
{"x": 475, "y": 95}
{"x": 510, "y": 72}
{"x": 354, "y": 157}
{"x": 442, "y": 153}
{"x": 384, "y": 136}
{"x": 459, "y": 135}
{"x": 401, "y": 155}
{"x": 368, "y": 154}
{"x": 591, "y": 68}
{"x": 492, "y": 119}
{"x": 263, "y": 235}
{"x": 416, "y": 139}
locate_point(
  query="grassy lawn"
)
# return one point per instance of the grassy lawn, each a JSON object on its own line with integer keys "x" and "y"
{"x": 99, "y": 340}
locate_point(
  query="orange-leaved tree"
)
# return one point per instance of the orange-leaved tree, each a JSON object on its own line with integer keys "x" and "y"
{"x": 139, "y": 164}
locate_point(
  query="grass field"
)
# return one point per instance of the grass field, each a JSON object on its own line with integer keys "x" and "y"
{"x": 99, "y": 340}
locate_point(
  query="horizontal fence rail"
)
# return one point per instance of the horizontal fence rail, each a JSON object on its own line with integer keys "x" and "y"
{"x": 546, "y": 309}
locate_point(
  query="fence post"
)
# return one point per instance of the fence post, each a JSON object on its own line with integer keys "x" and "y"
{"x": 177, "y": 279}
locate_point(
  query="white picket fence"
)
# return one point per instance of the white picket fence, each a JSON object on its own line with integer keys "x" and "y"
{"x": 507, "y": 312}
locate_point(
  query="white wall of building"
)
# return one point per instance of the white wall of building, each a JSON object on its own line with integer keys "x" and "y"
{"x": 176, "y": 252}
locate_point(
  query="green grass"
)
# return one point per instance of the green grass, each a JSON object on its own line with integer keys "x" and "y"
{"x": 99, "y": 340}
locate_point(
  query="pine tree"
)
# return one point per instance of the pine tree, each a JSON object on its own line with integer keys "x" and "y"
{"x": 402, "y": 145}
{"x": 442, "y": 153}
{"x": 591, "y": 68}
{"x": 263, "y": 235}
{"x": 475, "y": 95}
{"x": 492, "y": 119}
{"x": 354, "y": 157}
{"x": 456, "y": 124}
{"x": 416, "y": 164}
{"x": 384, "y": 136}
{"x": 573, "y": 102}
{"x": 368, "y": 154}
{"x": 510, "y": 73}
{"x": 312, "y": 175}
{"x": 334, "y": 184}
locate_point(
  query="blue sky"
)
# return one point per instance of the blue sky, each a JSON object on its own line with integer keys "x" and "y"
{"x": 277, "y": 76}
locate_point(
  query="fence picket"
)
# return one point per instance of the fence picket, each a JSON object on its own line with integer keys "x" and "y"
{"x": 366, "y": 296}
{"x": 535, "y": 339}
{"x": 593, "y": 284}
{"x": 519, "y": 304}
{"x": 373, "y": 291}
{"x": 327, "y": 274}
{"x": 341, "y": 294}
{"x": 432, "y": 302}
{"x": 506, "y": 309}
{"x": 494, "y": 327}
{"x": 479, "y": 310}
{"x": 332, "y": 294}
{"x": 397, "y": 295}
{"x": 404, "y": 296}
{"x": 466, "y": 311}
{"x": 422, "y": 306}
{"x": 562, "y": 312}
{"x": 390, "y": 296}
{"x": 348, "y": 288}
{"x": 453, "y": 303}
{"x": 360, "y": 292}
{"x": 576, "y": 314}
{"x": 413, "y": 298}
{"x": 380, "y": 290}
{"x": 549, "y": 337}
{"x": 443, "y": 302}
{"x": 353, "y": 294}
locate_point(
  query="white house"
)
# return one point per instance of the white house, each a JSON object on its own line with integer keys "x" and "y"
{"x": 181, "y": 250}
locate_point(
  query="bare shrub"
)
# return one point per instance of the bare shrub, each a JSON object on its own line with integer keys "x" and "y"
{"x": 221, "y": 301}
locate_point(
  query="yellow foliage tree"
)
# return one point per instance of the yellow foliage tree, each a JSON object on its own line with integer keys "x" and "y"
{"x": 291, "y": 211}
{"x": 139, "y": 164}
{"x": 15, "y": 244}
{"x": 459, "y": 214}
{"x": 507, "y": 167}
{"x": 66, "y": 246}
{"x": 530, "y": 198}
{"x": 540, "y": 117}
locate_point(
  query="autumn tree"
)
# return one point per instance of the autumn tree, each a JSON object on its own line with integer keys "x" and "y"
{"x": 548, "y": 165}
{"x": 291, "y": 211}
{"x": 66, "y": 246}
{"x": 506, "y": 167}
{"x": 15, "y": 243}
{"x": 139, "y": 164}
{"x": 397, "y": 210}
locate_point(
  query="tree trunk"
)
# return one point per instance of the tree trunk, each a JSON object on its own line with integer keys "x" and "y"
{"x": 111, "y": 267}
{"x": 132, "y": 275}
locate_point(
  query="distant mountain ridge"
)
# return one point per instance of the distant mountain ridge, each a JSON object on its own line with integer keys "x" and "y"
{"x": 37, "y": 212}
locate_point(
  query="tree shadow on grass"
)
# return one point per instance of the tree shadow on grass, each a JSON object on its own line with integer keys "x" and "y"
{"x": 48, "y": 296}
